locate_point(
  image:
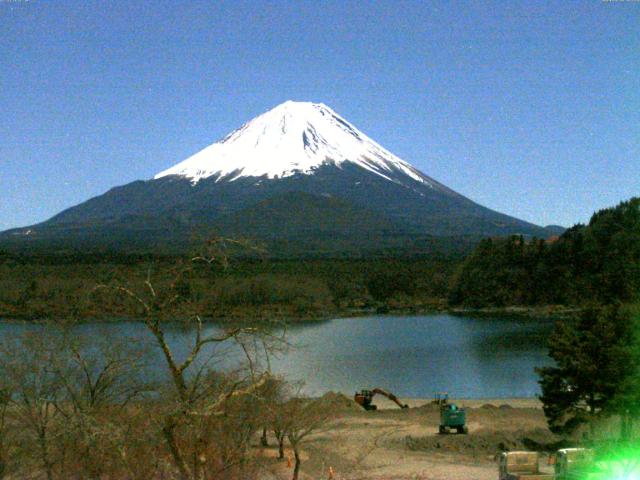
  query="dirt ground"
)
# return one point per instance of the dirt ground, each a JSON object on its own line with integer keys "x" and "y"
{"x": 404, "y": 444}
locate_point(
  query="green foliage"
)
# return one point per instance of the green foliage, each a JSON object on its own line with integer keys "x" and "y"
{"x": 611, "y": 252}
{"x": 594, "y": 360}
{"x": 62, "y": 287}
{"x": 599, "y": 262}
{"x": 627, "y": 399}
{"x": 384, "y": 285}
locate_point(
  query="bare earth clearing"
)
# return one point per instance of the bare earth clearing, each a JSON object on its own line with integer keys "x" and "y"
{"x": 404, "y": 444}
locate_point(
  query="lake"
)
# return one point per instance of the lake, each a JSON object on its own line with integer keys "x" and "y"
{"x": 412, "y": 356}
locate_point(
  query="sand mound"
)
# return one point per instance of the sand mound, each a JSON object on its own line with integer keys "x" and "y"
{"x": 427, "y": 407}
{"x": 483, "y": 442}
{"x": 339, "y": 402}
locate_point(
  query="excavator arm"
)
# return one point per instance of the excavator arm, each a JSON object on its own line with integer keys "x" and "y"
{"x": 364, "y": 398}
{"x": 390, "y": 396}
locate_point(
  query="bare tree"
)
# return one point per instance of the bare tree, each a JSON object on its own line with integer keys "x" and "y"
{"x": 273, "y": 397}
{"x": 5, "y": 398}
{"x": 32, "y": 392}
{"x": 279, "y": 425}
{"x": 64, "y": 403}
{"x": 76, "y": 407}
{"x": 98, "y": 379}
{"x": 303, "y": 417}
{"x": 200, "y": 398}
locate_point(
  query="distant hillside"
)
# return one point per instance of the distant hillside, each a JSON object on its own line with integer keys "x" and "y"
{"x": 595, "y": 262}
{"x": 298, "y": 176}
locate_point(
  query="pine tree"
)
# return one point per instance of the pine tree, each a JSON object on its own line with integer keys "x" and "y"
{"x": 594, "y": 361}
{"x": 627, "y": 402}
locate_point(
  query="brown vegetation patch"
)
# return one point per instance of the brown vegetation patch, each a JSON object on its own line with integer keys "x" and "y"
{"x": 483, "y": 442}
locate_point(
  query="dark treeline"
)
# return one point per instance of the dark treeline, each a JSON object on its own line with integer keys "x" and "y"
{"x": 594, "y": 263}
{"x": 64, "y": 286}
{"x": 596, "y": 351}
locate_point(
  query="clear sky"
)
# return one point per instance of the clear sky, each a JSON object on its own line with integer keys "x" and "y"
{"x": 528, "y": 107}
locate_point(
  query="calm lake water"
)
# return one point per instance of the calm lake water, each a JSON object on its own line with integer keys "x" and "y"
{"x": 413, "y": 356}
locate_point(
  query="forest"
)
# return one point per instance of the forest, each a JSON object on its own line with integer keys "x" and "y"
{"x": 249, "y": 289}
{"x": 594, "y": 263}
{"x": 77, "y": 407}
{"x": 598, "y": 262}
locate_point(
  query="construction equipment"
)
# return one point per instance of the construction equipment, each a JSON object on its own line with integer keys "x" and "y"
{"x": 573, "y": 463}
{"x": 582, "y": 464}
{"x": 365, "y": 397}
{"x": 451, "y": 416}
{"x": 521, "y": 466}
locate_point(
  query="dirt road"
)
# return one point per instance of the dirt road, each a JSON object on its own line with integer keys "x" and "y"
{"x": 404, "y": 444}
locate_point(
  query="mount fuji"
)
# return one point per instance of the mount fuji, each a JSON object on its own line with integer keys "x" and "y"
{"x": 295, "y": 137}
{"x": 296, "y": 176}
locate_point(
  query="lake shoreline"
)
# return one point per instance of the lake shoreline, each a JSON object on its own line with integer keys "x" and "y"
{"x": 411, "y": 356}
{"x": 277, "y": 318}
{"x": 503, "y": 402}
{"x": 412, "y": 446}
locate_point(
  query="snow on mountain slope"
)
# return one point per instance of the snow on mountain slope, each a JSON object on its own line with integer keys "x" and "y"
{"x": 294, "y": 137}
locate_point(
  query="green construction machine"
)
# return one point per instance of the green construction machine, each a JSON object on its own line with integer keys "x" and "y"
{"x": 452, "y": 417}
{"x": 583, "y": 464}
{"x": 573, "y": 463}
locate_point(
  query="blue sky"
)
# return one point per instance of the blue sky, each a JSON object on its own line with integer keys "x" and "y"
{"x": 529, "y": 108}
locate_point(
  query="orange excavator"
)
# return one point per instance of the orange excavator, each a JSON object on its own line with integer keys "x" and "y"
{"x": 364, "y": 398}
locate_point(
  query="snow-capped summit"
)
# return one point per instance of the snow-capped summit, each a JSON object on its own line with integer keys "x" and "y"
{"x": 294, "y": 137}
{"x": 299, "y": 177}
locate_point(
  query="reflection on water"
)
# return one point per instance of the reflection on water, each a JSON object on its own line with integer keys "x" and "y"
{"x": 413, "y": 356}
